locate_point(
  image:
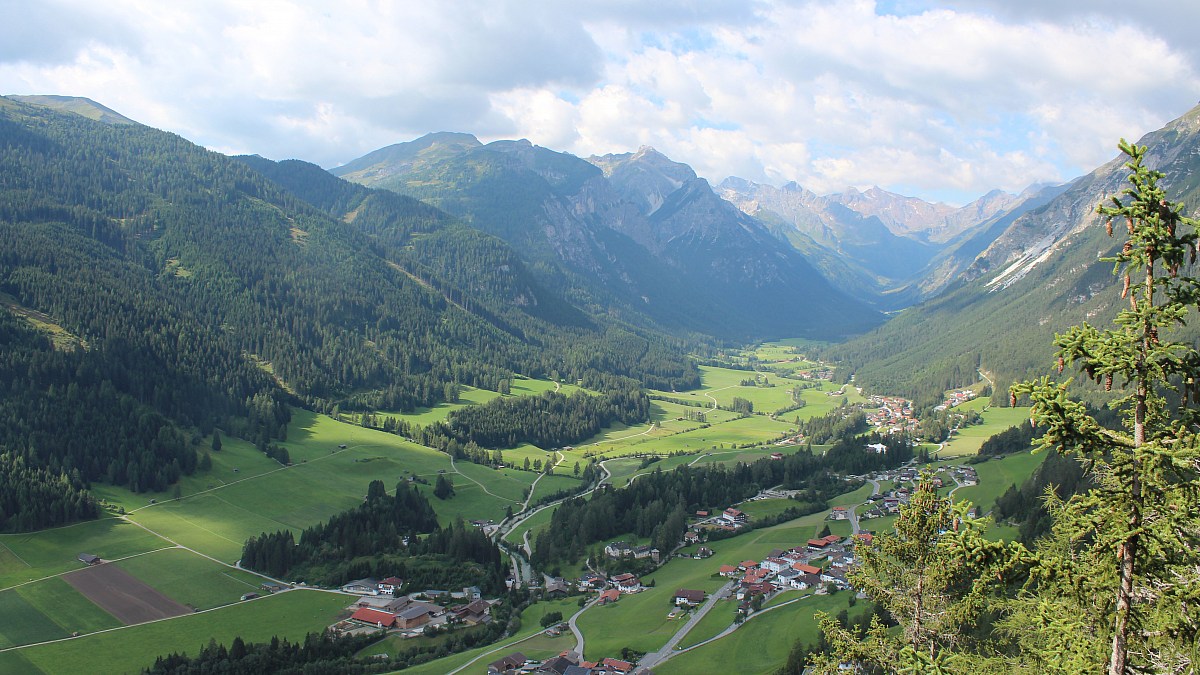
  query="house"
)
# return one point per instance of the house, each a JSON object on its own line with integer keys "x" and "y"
{"x": 555, "y": 586}
{"x": 747, "y": 564}
{"x": 390, "y": 585}
{"x": 839, "y": 513}
{"x": 691, "y": 537}
{"x": 806, "y": 581}
{"x": 362, "y": 587}
{"x": 774, "y": 564}
{"x": 785, "y": 577}
{"x": 618, "y": 549}
{"x": 591, "y": 581}
{"x": 513, "y": 661}
{"x": 728, "y": 571}
{"x": 477, "y": 612}
{"x": 272, "y": 587}
{"x": 249, "y": 596}
{"x": 472, "y": 593}
{"x": 817, "y": 544}
{"x": 373, "y": 617}
{"x": 806, "y": 569}
{"x": 703, "y": 552}
{"x": 688, "y": 597}
{"x": 640, "y": 552}
{"x": 607, "y": 596}
{"x": 702, "y": 514}
{"x": 776, "y": 455}
{"x": 89, "y": 559}
{"x": 627, "y": 583}
{"x": 735, "y": 517}
{"x": 418, "y": 615}
{"x": 617, "y": 666}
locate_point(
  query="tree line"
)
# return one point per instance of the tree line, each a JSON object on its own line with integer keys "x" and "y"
{"x": 387, "y": 534}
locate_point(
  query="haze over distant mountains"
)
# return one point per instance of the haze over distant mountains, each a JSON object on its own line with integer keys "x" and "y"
{"x": 640, "y": 239}
{"x": 634, "y": 234}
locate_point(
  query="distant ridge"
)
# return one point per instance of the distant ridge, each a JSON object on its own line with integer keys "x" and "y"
{"x": 75, "y": 104}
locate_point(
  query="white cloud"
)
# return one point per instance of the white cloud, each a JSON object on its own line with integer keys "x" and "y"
{"x": 945, "y": 99}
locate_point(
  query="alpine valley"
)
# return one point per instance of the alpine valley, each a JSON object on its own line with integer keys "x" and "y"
{"x": 453, "y": 403}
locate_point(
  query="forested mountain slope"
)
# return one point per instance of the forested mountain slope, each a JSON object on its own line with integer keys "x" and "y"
{"x": 153, "y": 288}
{"x": 1039, "y": 277}
{"x": 636, "y": 235}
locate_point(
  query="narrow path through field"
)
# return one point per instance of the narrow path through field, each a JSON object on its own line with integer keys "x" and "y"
{"x": 481, "y": 485}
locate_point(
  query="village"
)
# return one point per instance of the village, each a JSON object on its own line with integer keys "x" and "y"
{"x": 819, "y": 565}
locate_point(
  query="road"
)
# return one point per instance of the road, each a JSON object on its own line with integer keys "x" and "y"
{"x": 854, "y": 528}
{"x": 575, "y": 629}
{"x": 521, "y": 568}
{"x": 654, "y": 658}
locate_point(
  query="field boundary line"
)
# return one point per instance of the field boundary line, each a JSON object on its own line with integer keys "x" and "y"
{"x": 59, "y": 574}
{"x": 14, "y": 554}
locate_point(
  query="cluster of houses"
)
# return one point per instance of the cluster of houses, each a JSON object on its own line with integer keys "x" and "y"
{"x": 566, "y": 663}
{"x": 729, "y": 519}
{"x": 378, "y": 609}
{"x": 964, "y": 475}
{"x": 815, "y": 373}
{"x": 956, "y": 398}
{"x": 794, "y": 568}
{"x": 620, "y": 549}
{"x": 893, "y": 416}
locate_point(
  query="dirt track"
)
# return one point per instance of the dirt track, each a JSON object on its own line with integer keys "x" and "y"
{"x": 124, "y": 596}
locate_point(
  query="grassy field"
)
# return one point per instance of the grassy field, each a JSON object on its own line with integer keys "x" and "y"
{"x": 762, "y": 644}
{"x": 326, "y": 480}
{"x": 40, "y": 554}
{"x": 996, "y": 475}
{"x": 966, "y": 441}
{"x": 47, "y": 610}
{"x": 128, "y": 650}
{"x": 191, "y": 580}
{"x": 717, "y": 620}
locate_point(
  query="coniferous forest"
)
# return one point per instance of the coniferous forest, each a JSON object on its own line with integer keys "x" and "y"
{"x": 186, "y": 292}
{"x": 387, "y": 535}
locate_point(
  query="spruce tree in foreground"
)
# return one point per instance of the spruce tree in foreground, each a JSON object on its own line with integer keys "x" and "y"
{"x": 1128, "y": 551}
{"x": 1115, "y": 587}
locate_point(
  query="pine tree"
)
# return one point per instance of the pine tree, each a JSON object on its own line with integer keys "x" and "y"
{"x": 1132, "y": 540}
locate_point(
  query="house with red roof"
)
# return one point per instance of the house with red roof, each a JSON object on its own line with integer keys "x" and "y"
{"x": 374, "y": 617}
{"x": 617, "y": 666}
{"x": 608, "y": 595}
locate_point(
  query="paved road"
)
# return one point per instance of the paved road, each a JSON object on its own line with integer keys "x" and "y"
{"x": 575, "y": 629}
{"x": 854, "y": 528}
{"x": 654, "y": 658}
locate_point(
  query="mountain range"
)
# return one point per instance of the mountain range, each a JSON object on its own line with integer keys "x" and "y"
{"x": 153, "y": 281}
{"x": 637, "y": 235}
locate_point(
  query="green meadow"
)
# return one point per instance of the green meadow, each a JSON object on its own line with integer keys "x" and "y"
{"x": 761, "y": 645}
{"x": 967, "y": 440}
{"x": 996, "y": 475}
{"x": 128, "y": 650}
{"x": 36, "y": 555}
{"x": 48, "y": 610}
{"x": 190, "y": 579}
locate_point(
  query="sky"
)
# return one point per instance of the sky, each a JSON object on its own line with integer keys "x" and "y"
{"x": 943, "y": 100}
